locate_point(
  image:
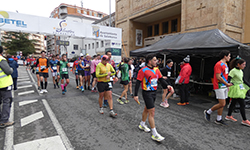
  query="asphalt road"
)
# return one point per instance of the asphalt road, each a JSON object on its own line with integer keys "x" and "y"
{"x": 72, "y": 121}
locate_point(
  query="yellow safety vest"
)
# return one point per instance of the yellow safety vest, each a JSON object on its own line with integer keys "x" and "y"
{"x": 5, "y": 80}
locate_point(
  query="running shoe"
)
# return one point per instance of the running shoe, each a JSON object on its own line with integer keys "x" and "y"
{"x": 101, "y": 111}
{"x": 45, "y": 91}
{"x": 164, "y": 104}
{"x": 54, "y": 86}
{"x": 181, "y": 104}
{"x": 120, "y": 101}
{"x": 105, "y": 102}
{"x": 7, "y": 124}
{"x": 230, "y": 118}
{"x": 220, "y": 122}
{"x": 92, "y": 91}
{"x": 89, "y": 88}
{"x": 112, "y": 114}
{"x": 77, "y": 87}
{"x": 187, "y": 103}
{"x": 82, "y": 89}
{"x": 246, "y": 123}
{"x": 63, "y": 92}
{"x": 58, "y": 85}
{"x": 126, "y": 101}
{"x": 144, "y": 128}
{"x": 132, "y": 95}
{"x": 41, "y": 92}
{"x": 157, "y": 138}
{"x": 206, "y": 115}
{"x": 65, "y": 89}
{"x": 85, "y": 87}
{"x": 39, "y": 88}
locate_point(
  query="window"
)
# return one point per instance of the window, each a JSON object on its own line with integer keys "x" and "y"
{"x": 85, "y": 46}
{"x": 56, "y": 11}
{"x": 150, "y": 31}
{"x": 100, "y": 15}
{"x": 78, "y": 10}
{"x": 93, "y": 45}
{"x": 95, "y": 14}
{"x": 156, "y": 28}
{"x": 75, "y": 47}
{"x": 102, "y": 44}
{"x": 89, "y": 46}
{"x": 90, "y": 13}
{"x": 85, "y": 12}
{"x": 174, "y": 25}
{"x": 97, "y": 45}
{"x": 165, "y": 27}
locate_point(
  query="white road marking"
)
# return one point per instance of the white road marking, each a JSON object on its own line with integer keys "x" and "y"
{"x": 27, "y": 102}
{"x": 50, "y": 143}
{"x": 23, "y": 82}
{"x": 33, "y": 80}
{"x": 25, "y": 79}
{"x": 31, "y": 118}
{"x": 25, "y": 86}
{"x": 9, "y": 133}
{"x": 26, "y": 92}
{"x": 57, "y": 126}
{"x": 22, "y": 77}
{"x": 117, "y": 95}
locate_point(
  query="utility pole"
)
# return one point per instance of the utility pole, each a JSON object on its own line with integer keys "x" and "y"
{"x": 110, "y": 13}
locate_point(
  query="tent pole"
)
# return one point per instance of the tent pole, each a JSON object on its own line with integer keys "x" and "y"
{"x": 164, "y": 64}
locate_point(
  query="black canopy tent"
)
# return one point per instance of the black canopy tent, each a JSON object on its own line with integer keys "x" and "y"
{"x": 203, "y": 48}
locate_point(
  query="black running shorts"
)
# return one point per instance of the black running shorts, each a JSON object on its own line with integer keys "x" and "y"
{"x": 104, "y": 86}
{"x": 45, "y": 75}
{"x": 124, "y": 82}
{"x": 64, "y": 76}
{"x": 81, "y": 73}
{"x": 149, "y": 98}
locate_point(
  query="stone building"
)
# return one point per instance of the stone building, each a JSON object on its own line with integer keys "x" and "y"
{"x": 144, "y": 22}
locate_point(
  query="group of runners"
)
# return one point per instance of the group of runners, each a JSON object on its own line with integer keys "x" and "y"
{"x": 104, "y": 74}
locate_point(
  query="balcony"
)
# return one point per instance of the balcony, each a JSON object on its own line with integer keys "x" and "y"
{"x": 63, "y": 12}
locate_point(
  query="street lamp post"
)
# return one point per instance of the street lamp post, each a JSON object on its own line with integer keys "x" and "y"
{"x": 110, "y": 13}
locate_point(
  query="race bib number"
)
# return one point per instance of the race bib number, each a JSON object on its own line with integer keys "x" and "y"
{"x": 154, "y": 82}
{"x": 169, "y": 74}
{"x": 110, "y": 85}
{"x": 37, "y": 70}
{"x": 241, "y": 87}
{"x": 54, "y": 68}
{"x": 64, "y": 69}
{"x": 87, "y": 65}
{"x": 226, "y": 70}
{"x": 43, "y": 67}
{"x": 76, "y": 71}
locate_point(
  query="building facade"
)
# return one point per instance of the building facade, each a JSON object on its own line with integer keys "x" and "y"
{"x": 39, "y": 44}
{"x": 145, "y": 22}
{"x": 76, "y": 45}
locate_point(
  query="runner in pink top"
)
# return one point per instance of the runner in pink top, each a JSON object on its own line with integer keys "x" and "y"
{"x": 93, "y": 65}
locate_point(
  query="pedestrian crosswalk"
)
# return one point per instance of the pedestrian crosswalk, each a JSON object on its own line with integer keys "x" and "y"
{"x": 36, "y": 114}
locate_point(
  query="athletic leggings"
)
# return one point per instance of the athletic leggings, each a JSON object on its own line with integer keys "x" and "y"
{"x": 242, "y": 107}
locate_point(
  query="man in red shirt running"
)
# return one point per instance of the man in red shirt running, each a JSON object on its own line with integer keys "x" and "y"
{"x": 220, "y": 85}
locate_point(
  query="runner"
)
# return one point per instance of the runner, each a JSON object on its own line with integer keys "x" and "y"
{"x": 148, "y": 77}
{"x": 58, "y": 75}
{"x": 53, "y": 68}
{"x": 220, "y": 85}
{"x": 125, "y": 80}
{"x": 28, "y": 62}
{"x": 75, "y": 71}
{"x": 103, "y": 73}
{"x": 43, "y": 65}
{"x": 166, "y": 72}
{"x": 87, "y": 63}
{"x": 63, "y": 66}
{"x": 93, "y": 65}
{"x": 110, "y": 61}
{"x": 81, "y": 72}
{"x": 131, "y": 61}
{"x": 238, "y": 90}
{"x": 36, "y": 68}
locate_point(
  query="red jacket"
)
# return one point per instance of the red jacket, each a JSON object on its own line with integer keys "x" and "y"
{"x": 185, "y": 73}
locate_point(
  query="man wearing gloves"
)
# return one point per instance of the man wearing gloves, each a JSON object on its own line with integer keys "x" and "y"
{"x": 5, "y": 91}
{"x": 183, "y": 81}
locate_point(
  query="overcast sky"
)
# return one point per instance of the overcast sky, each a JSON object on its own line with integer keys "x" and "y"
{"x": 45, "y": 7}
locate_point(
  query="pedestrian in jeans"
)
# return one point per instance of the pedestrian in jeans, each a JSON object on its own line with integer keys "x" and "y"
{"x": 220, "y": 85}
{"x": 238, "y": 90}
{"x": 5, "y": 91}
{"x": 183, "y": 80}
{"x": 14, "y": 65}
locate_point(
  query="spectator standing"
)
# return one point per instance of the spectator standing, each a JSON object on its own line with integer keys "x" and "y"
{"x": 5, "y": 91}
{"x": 183, "y": 81}
{"x": 14, "y": 65}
